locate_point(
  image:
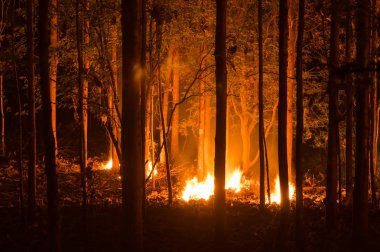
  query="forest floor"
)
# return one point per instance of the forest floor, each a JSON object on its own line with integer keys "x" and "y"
{"x": 186, "y": 226}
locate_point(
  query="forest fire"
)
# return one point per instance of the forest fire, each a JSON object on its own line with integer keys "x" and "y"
{"x": 275, "y": 197}
{"x": 196, "y": 190}
{"x": 108, "y": 165}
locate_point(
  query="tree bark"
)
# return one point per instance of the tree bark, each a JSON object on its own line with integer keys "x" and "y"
{"x": 82, "y": 96}
{"x": 299, "y": 130}
{"x": 132, "y": 170}
{"x": 220, "y": 134}
{"x": 331, "y": 183}
{"x": 49, "y": 138}
{"x": 261, "y": 106}
{"x": 32, "y": 114}
{"x": 201, "y": 122}
{"x": 360, "y": 203}
{"x": 53, "y": 63}
{"x": 175, "y": 92}
{"x": 282, "y": 125}
{"x": 2, "y": 143}
{"x": 291, "y": 76}
{"x": 113, "y": 94}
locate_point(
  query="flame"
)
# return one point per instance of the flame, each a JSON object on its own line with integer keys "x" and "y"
{"x": 233, "y": 182}
{"x": 108, "y": 166}
{"x": 275, "y": 197}
{"x": 196, "y": 190}
{"x": 149, "y": 169}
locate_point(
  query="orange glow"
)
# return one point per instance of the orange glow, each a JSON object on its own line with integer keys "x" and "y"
{"x": 149, "y": 169}
{"x": 196, "y": 190}
{"x": 275, "y": 196}
{"x": 108, "y": 166}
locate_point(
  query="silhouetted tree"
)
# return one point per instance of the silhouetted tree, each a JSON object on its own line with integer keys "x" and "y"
{"x": 49, "y": 139}
{"x": 132, "y": 169}
{"x": 221, "y": 107}
{"x": 282, "y": 125}
{"x": 299, "y": 130}
{"x": 360, "y": 203}
{"x": 32, "y": 114}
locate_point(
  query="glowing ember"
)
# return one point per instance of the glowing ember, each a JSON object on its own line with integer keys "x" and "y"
{"x": 203, "y": 190}
{"x": 275, "y": 197}
{"x": 108, "y": 166}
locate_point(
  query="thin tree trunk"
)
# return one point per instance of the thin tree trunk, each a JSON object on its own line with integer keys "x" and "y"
{"x": 49, "y": 138}
{"x": 261, "y": 106}
{"x": 282, "y": 125}
{"x": 132, "y": 170}
{"x": 331, "y": 183}
{"x": 53, "y": 63}
{"x": 113, "y": 94}
{"x": 32, "y": 114}
{"x": 360, "y": 203}
{"x": 2, "y": 143}
{"x": 19, "y": 103}
{"x": 175, "y": 121}
{"x": 162, "y": 114}
{"x": 349, "y": 57}
{"x": 292, "y": 18}
{"x": 299, "y": 130}
{"x": 82, "y": 92}
{"x": 201, "y": 120}
{"x": 220, "y": 134}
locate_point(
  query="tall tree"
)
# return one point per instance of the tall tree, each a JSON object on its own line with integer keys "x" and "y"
{"x": 201, "y": 121}
{"x": 53, "y": 64}
{"x": 112, "y": 94}
{"x": 82, "y": 93}
{"x": 49, "y": 139}
{"x": 261, "y": 105}
{"x": 174, "y": 146}
{"x": 349, "y": 58}
{"x": 331, "y": 183}
{"x": 282, "y": 124}
{"x": 292, "y": 18}
{"x": 132, "y": 169}
{"x": 221, "y": 107}
{"x": 32, "y": 114}
{"x": 360, "y": 203}
{"x": 299, "y": 130}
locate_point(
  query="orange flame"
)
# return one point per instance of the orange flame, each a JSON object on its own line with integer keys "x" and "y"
{"x": 108, "y": 166}
{"x": 196, "y": 190}
{"x": 275, "y": 197}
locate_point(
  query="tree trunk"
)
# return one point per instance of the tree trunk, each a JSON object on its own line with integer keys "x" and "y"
{"x": 220, "y": 134}
{"x": 53, "y": 63}
{"x": 282, "y": 125}
{"x": 291, "y": 76}
{"x": 360, "y": 203}
{"x": 49, "y": 138}
{"x": 113, "y": 94}
{"x": 201, "y": 120}
{"x": 2, "y": 143}
{"x": 175, "y": 120}
{"x": 349, "y": 58}
{"x": 163, "y": 106}
{"x": 261, "y": 106}
{"x": 19, "y": 111}
{"x": 331, "y": 183}
{"x": 82, "y": 96}
{"x": 132, "y": 170}
{"x": 32, "y": 114}
{"x": 299, "y": 130}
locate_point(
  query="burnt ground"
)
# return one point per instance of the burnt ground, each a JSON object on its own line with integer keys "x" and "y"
{"x": 183, "y": 227}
